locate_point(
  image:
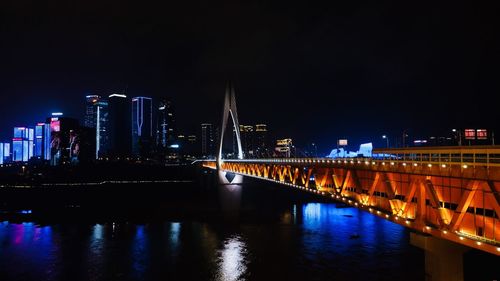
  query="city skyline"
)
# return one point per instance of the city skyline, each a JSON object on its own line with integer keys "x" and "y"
{"x": 356, "y": 71}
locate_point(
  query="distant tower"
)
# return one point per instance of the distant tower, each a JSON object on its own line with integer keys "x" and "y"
{"x": 96, "y": 116}
{"x": 165, "y": 129}
{"x": 207, "y": 140}
{"x": 120, "y": 128}
{"x": 261, "y": 139}
{"x": 142, "y": 126}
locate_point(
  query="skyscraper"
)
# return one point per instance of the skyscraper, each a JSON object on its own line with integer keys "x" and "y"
{"x": 4, "y": 152}
{"x": 60, "y": 130}
{"x": 22, "y": 144}
{"x": 120, "y": 127}
{"x": 207, "y": 140}
{"x": 260, "y": 140}
{"x": 42, "y": 141}
{"x": 96, "y": 116}
{"x": 142, "y": 126}
{"x": 247, "y": 140}
{"x": 165, "y": 129}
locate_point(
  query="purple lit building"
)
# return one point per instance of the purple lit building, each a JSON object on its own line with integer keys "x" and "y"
{"x": 22, "y": 144}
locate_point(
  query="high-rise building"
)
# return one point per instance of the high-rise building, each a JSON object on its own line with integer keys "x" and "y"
{"x": 247, "y": 135}
{"x": 42, "y": 141}
{"x": 4, "y": 152}
{"x": 207, "y": 140}
{"x": 165, "y": 129}
{"x": 120, "y": 128}
{"x": 142, "y": 126}
{"x": 96, "y": 116}
{"x": 260, "y": 144}
{"x": 60, "y": 130}
{"x": 22, "y": 144}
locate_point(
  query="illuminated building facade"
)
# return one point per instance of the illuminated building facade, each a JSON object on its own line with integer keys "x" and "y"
{"x": 22, "y": 144}
{"x": 42, "y": 141}
{"x": 4, "y": 152}
{"x": 96, "y": 116}
{"x": 119, "y": 125}
{"x": 165, "y": 128}
{"x": 283, "y": 147}
{"x": 142, "y": 126}
{"x": 60, "y": 130}
{"x": 207, "y": 140}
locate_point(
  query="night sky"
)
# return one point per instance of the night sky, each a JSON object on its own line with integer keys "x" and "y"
{"x": 310, "y": 71}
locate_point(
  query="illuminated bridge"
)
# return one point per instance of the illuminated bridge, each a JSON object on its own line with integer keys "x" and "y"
{"x": 442, "y": 193}
{"x": 447, "y": 192}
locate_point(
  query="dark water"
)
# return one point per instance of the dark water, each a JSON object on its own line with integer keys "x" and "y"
{"x": 257, "y": 233}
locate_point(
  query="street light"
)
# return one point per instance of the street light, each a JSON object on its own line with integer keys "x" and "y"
{"x": 386, "y": 139}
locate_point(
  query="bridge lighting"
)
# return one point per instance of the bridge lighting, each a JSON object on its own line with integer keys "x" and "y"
{"x": 356, "y": 204}
{"x": 373, "y": 163}
{"x": 392, "y": 163}
{"x": 352, "y": 162}
{"x": 387, "y": 216}
{"x": 404, "y": 164}
{"x": 445, "y": 232}
{"x": 479, "y": 243}
{"x": 498, "y": 249}
{"x": 370, "y": 209}
{"x": 407, "y": 222}
{"x": 415, "y": 164}
{"x": 383, "y": 163}
{"x": 428, "y": 227}
{"x": 367, "y": 163}
{"x": 461, "y": 238}
{"x": 464, "y": 166}
{"x": 444, "y": 166}
{"x": 429, "y": 165}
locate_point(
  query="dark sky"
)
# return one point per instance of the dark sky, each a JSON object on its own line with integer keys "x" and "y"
{"x": 311, "y": 71}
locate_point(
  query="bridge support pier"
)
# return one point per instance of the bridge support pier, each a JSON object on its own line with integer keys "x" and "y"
{"x": 443, "y": 259}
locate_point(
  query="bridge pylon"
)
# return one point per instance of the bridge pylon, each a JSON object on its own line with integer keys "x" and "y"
{"x": 229, "y": 110}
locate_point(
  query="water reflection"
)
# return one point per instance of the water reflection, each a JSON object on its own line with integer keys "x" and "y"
{"x": 336, "y": 231}
{"x": 28, "y": 251}
{"x": 175, "y": 231}
{"x": 96, "y": 252}
{"x": 232, "y": 262}
{"x": 140, "y": 253}
{"x": 230, "y": 197}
